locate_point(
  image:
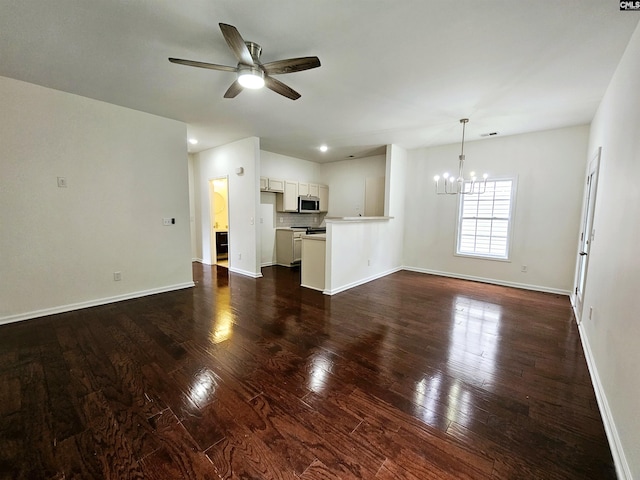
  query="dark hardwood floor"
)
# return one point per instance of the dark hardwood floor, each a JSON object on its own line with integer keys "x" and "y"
{"x": 411, "y": 376}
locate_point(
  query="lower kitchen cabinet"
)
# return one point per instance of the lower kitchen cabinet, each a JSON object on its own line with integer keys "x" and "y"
{"x": 313, "y": 262}
{"x": 288, "y": 247}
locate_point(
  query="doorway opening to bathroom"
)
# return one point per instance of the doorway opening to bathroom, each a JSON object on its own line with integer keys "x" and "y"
{"x": 219, "y": 197}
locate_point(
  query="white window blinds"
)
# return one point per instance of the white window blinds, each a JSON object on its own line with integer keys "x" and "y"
{"x": 484, "y": 222}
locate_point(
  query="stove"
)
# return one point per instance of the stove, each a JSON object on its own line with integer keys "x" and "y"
{"x": 316, "y": 230}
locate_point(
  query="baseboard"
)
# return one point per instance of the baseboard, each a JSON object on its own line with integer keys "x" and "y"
{"x": 91, "y": 303}
{"x": 246, "y": 273}
{"x": 623, "y": 470}
{"x": 267, "y": 264}
{"x": 524, "y": 286}
{"x": 342, "y": 288}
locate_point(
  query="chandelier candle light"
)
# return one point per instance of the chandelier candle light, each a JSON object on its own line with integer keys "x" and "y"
{"x": 459, "y": 186}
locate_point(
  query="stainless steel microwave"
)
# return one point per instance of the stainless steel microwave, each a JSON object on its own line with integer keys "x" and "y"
{"x": 308, "y": 204}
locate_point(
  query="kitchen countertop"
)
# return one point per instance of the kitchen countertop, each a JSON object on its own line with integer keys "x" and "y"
{"x": 355, "y": 219}
{"x": 315, "y": 236}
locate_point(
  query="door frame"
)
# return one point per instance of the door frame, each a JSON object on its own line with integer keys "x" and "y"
{"x": 587, "y": 233}
{"x": 212, "y": 215}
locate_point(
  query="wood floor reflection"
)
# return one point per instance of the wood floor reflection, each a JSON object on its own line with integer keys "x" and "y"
{"x": 411, "y": 376}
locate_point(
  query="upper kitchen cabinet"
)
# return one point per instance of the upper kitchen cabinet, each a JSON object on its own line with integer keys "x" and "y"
{"x": 271, "y": 185}
{"x": 288, "y": 201}
{"x": 323, "y": 195}
{"x": 308, "y": 189}
{"x": 276, "y": 185}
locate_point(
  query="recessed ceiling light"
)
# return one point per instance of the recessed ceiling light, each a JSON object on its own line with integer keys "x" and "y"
{"x": 193, "y": 141}
{"x": 323, "y": 148}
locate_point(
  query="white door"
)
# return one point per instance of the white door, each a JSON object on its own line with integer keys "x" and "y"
{"x": 587, "y": 232}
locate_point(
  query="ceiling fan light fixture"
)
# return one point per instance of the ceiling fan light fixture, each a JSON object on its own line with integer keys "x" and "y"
{"x": 250, "y": 77}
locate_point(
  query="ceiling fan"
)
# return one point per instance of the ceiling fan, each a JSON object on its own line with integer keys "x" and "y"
{"x": 251, "y": 72}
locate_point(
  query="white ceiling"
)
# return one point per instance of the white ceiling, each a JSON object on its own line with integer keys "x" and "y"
{"x": 401, "y": 71}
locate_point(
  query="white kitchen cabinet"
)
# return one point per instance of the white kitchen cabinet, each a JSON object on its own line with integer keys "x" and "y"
{"x": 323, "y": 195}
{"x": 312, "y": 270}
{"x": 308, "y": 189}
{"x": 276, "y": 185}
{"x": 288, "y": 247}
{"x": 288, "y": 201}
{"x": 264, "y": 184}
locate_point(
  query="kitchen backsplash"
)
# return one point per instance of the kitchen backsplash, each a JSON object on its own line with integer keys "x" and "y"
{"x": 299, "y": 219}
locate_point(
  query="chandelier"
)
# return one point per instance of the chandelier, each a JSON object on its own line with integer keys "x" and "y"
{"x": 450, "y": 185}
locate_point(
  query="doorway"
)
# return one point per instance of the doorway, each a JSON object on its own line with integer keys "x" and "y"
{"x": 586, "y": 233}
{"x": 219, "y": 199}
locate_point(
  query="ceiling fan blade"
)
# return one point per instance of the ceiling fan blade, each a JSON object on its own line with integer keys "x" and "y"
{"x": 233, "y": 90}
{"x": 291, "y": 65}
{"x": 279, "y": 87}
{"x": 212, "y": 66}
{"x": 236, "y": 43}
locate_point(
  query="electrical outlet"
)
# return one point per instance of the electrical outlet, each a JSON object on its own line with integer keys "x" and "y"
{"x": 167, "y": 222}
{"x": 281, "y": 219}
{"x": 524, "y": 269}
{"x": 117, "y": 276}
{"x": 369, "y": 262}
{"x": 62, "y": 182}
{"x": 590, "y": 313}
{"x": 239, "y": 256}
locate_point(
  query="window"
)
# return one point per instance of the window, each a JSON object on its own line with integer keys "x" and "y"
{"x": 484, "y": 221}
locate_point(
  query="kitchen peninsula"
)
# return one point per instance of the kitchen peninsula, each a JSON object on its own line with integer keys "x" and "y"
{"x": 356, "y": 250}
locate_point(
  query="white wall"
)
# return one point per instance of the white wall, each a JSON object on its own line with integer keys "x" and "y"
{"x": 244, "y": 236}
{"x": 395, "y": 195}
{"x": 346, "y": 180}
{"x": 550, "y": 166}
{"x": 288, "y": 168}
{"x": 613, "y": 279}
{"x": 126, "y": 170}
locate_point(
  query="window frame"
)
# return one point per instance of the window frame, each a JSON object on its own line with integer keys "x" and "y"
{"x": 510, "y": 224}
